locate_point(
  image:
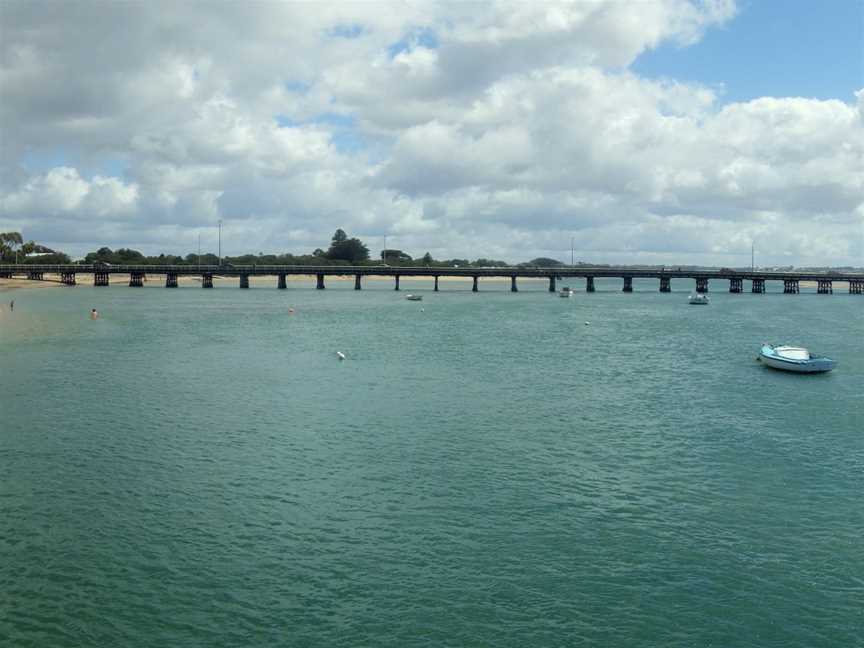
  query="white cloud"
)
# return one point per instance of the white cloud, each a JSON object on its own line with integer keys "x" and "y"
{"x": 494, "y": 130}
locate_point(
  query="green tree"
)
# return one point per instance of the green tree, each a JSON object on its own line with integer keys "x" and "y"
{"x": 543, "y": 262}
{"x": 347, "y": 249}
{"x": 10, "y": 242}
{"x": 427, "y": 259}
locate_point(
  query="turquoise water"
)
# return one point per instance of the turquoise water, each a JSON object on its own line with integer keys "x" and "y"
{"x": 197, "y": 468}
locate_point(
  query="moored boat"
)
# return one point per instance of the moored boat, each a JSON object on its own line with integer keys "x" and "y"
{"x": 566, "y": 292}
{"x": 700, "y": 299}
{"x": 411, "y": 297}
{"x": 792, "y": 358}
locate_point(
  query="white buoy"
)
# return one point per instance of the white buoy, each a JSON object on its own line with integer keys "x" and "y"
{"x": 587, "y": 323}
{"x": 340, "y": 355}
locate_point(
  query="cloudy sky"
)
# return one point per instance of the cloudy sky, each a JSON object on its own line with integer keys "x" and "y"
{"x": 667, "y": 131}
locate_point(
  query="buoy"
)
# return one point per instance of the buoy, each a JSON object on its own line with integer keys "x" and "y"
{"x": 587, "y": 323}
{"x": 290, "y": 310}
{"x": 340, "y": 355}
{"x": 422, "y": 310}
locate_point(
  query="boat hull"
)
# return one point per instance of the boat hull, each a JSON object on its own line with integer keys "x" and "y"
{"x": 813, "y": 365}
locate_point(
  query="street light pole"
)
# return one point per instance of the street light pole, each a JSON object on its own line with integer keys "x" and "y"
{"x": 571, "y": 251}
{"x": 220, "y": 241}
{"x": 199, "y": 249}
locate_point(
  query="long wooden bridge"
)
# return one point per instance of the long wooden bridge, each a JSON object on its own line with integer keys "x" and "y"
{"x": 736, "y": 278}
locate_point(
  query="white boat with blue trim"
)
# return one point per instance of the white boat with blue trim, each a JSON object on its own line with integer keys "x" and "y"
{"x": 792, "y": 358}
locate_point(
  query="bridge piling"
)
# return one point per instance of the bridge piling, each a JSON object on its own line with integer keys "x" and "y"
{"x": 701, "y": 284}
{"x": 67, "y": 278}
{"x": 281, "y": 284}
{"x": 136, "y": 279}
{"x": 320, "y": 282}
{"x": 171, "y": 280}
{"x": 736, "y": 285}
{"x": 207, "y": 280}
{"x": 513, "y": 287}
{"x": 589, "y": 284}
{"x": 758, "y": 285}
{"x": 244, "y": 280}
{"x": 664, "y": 284}
{"x": 396, "y": 287}
{"x": 790, "y": 286}
{"x": 34, "y": 275}
{"x": 357, "y": 285}
{"x": 825, "y": 287}
{"x": 436, "y": 283}
{"x": 628, "y": 284}
{"x": 551, "y": 283}
{"x": 100, "y": 278}
{"x": 474, "y": 286}
{"x": 856, "y": 287}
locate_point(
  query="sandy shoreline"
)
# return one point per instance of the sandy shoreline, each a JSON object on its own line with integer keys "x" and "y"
{"x": 158, "y": 279}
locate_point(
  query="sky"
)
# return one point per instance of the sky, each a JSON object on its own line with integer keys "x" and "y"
{"x": 662, "y": 131}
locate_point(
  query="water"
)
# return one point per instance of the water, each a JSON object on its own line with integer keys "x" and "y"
{"x": 198, "y": 469}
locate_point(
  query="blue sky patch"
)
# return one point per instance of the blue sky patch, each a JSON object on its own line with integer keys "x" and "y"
{"x": 795, "y": 49}
{"x": 417, "y": 37}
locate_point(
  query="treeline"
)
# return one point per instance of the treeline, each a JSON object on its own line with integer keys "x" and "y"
{"x": 343, "y": 250}
{"x": 14, "y": 249}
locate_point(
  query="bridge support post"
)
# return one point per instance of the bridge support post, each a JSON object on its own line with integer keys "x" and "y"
{"x": 856, "y": 287}
{"x": 35, "y": 276}
{"x": 67, "y": 278}
{"x": 357, "y": 285}
{"x": 396, "y": 287}
{"x": 736, "y": 285}
{"x": 320, "y": 282}
{"x": 171, "y": 280}
{"x": 436, "y": 283}
{"x": 513, "y": 287}
{"x": 136, "y": 279}
{"x": 281, "y": 285}
{"x": 100, "y": 278}
{"x": 244, "y": 280}
{"x": 589, "y": 284}
{"x": 664, "y": 285}
{"x": 628, "y": 284}
{"x": 207, "y": 280}
{"x": 701, "y": 284}
{"x": 552, "y": 283}
{"x": 758, "y": 285}
{"x": 5, "y": 275}
{"x": 790, "y": 286}
{"x": 474, "y": 286}
{"x": 825, "y": 287}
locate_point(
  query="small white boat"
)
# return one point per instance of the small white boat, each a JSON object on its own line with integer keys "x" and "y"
{"x": 792, "y": 358}
{"x": 566, "y": 292}
{"x": 700, "y": 299}
{"x": 411, "y": 297}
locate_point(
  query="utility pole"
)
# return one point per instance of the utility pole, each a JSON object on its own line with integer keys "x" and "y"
{"x": 384, "y": 251}
{"x": 571, "y": 252}
{"x": 220, "y": 241}
{"x": 199, "y": 249}
{"x": 752, "y": 257}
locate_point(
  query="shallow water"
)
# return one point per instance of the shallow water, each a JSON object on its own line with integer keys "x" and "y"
{"x": 197, "y": 468}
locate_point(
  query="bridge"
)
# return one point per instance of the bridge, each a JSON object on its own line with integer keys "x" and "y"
{"x": 736, "y": 278}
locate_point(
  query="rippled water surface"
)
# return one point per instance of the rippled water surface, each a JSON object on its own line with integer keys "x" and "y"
{"x": 197, "y": 468}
